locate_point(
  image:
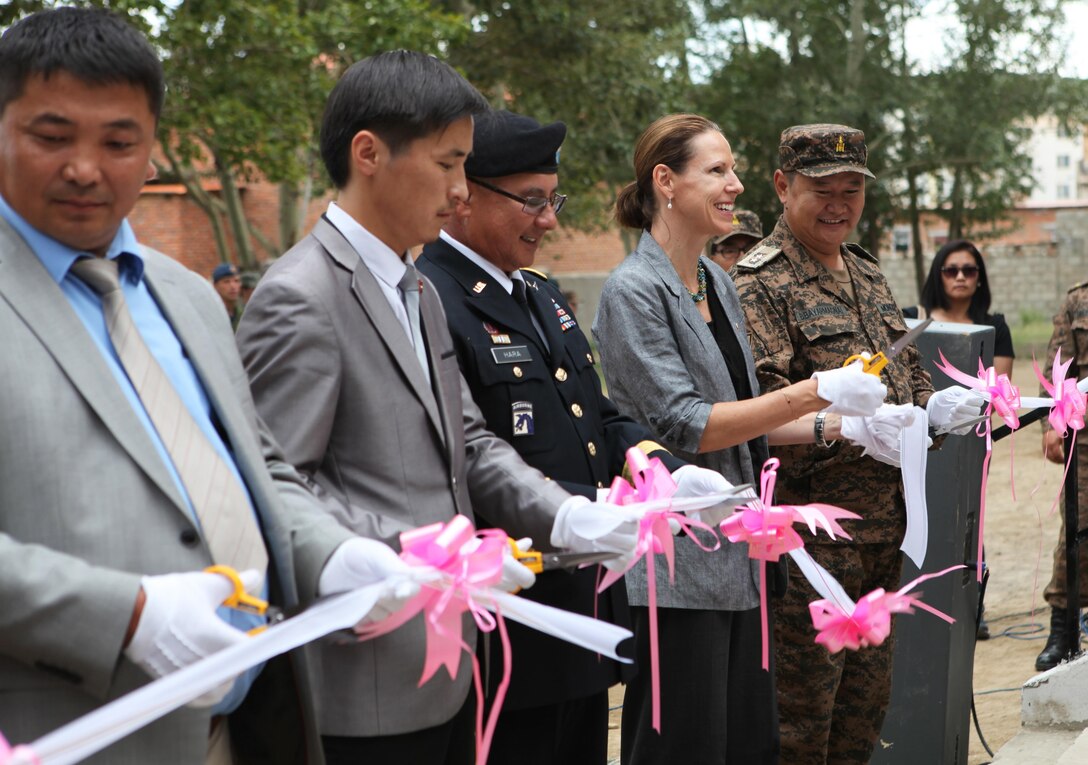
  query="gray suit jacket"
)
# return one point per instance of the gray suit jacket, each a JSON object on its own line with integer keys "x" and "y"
{"x": 664, "y": 369}
{"x": 335, "y": 377}
{"x": 87, "y": 507}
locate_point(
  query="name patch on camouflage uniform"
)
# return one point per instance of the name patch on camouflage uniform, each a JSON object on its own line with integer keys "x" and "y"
{"x": 887, "y": 308}
{"x": 828, "y": 309}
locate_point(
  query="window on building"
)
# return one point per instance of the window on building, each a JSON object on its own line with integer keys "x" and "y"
{"x": 1063, "y": 191}
{"x": 1063, "y": 160}
{"x": 901, "y": 238}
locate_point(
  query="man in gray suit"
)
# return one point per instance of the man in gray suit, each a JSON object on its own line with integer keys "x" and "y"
{"x": 107, "y": 516}
{"x": 363, "y": 389}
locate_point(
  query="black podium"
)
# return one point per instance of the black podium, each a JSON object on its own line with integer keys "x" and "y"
{"x": 928, "y": 720}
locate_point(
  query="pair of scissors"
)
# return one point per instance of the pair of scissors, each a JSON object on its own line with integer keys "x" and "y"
{"x": 241, "y": 600}
{"x": 875, "y": 364}
{"x": 539, "y": 562}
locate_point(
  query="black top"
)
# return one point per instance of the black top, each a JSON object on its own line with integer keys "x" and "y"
{"x": 727, "y": 343}
{"x": 1002, "y": 335}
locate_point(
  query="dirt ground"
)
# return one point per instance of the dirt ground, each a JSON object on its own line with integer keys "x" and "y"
{"x": 1020, "y": 537}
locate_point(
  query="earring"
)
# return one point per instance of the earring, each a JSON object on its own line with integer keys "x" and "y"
{"x": 670, "y": 204}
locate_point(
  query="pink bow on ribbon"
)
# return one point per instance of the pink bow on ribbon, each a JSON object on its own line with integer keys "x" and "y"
{"x": 653, "y": 482}
{"x": 1069, "y": 402}
{"x": 17, "y": 755}
{"x": 1069, "y": 405}
{"x": 1005, "y": 400}
{"x": 868, "y": 622}
{"x": 472, "y": 561}
{"x": 768, "y": 530}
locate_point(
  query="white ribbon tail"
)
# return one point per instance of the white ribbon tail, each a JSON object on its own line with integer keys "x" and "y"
{"x": 913, "y": 456}
{"x": 591, "y": 634}
{"x": 93, "y": 732}
{"x": 826, "y": 585}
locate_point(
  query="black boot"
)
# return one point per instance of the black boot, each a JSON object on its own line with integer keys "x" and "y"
{"x": 1060, "y": 644}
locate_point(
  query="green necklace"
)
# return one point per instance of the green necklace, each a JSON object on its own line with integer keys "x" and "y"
{"x": 700, "y": 273}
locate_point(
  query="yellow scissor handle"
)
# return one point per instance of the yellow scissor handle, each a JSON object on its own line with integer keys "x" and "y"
{"x": 531, "y": 559}
{"x": 872, "y": 365}
{"x": 239, "y": 599}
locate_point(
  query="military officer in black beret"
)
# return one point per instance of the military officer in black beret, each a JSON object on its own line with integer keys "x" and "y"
{"x": 531, "y": 372}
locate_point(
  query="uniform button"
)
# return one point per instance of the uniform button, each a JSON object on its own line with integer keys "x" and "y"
{"x": 589, "y": 357}
{"x": 189, "y": 537}
{"x": 454, "y": 482}
{"x": 517, "y": 371}
{"x": 577, "y": 410}
{"x": 592, "y": 448}
{"x": 561, "y": 374}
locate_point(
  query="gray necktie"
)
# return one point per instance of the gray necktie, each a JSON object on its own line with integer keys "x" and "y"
{"x": 409, "y": 290}
{"x": 220, "y": 503}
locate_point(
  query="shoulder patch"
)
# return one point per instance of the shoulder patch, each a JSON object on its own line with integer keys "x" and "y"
{"x": 861, "y": 252}
{"x": 538, "y": 274}
{"x": 758, "y": 256}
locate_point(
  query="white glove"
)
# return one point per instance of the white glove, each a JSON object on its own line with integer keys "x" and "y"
{"x": 694, "y": 481}
{"x": 178, "y": 625}
{"x": 879, "y": 434}
{"x": 584, "y": 526}
{"x": 953, "y": 404}
{"x": 515, "y": 576}
{"x": 359, "y": 562}
{"x": 850, "y": 390}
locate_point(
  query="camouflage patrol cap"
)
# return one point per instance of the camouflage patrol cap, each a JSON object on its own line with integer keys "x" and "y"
{"x": 823, "y": 149}
{"x": 745, "y": 223}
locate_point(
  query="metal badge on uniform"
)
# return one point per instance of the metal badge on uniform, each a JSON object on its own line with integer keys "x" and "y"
{"x": 522, "y": 412}
{"x": 511, "y": 355}
{"x": 566, "y": 321}
{"x": 479, "y": 287}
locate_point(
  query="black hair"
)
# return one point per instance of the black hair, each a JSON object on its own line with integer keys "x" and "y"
{"x": 933, "y": 294}
{"x": 399, "y": 95}
{"x": 93, "y": 45}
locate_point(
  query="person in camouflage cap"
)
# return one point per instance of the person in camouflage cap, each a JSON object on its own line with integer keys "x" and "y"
{"x": 811, "y": 300}
{"x": 747, "y": 231}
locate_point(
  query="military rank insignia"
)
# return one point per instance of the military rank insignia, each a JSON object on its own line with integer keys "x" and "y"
{"x": 522, "y": 412}
{"x": 566, "y": 321}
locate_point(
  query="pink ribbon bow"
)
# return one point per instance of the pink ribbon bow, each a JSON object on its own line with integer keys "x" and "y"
{"x": 1069, "y": 402}
{"x": 1069, "y": 405}
{"x": 1005, "y": 400}
{"x": 868, "y": 622}
{"x": 16, "y": 755}
{"x": 472, "y": 561}
{"x": 653, "y": 482}
{"x": 768, "y": 530}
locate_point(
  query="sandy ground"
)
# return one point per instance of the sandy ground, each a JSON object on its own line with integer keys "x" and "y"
{"x": 1020, "y": 537}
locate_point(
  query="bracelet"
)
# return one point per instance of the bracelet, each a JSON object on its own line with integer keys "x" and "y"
{"x": 788, "y": 403}
{"x": 818, "y": 430}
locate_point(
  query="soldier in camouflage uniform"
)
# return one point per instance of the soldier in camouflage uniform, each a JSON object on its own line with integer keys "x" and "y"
{"x": 1071, "y": 335}
{"x": 811, "y": 301}
{"x": 746, "y": 234}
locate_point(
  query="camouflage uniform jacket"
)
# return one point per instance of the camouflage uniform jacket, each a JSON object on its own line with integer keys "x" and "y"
{"x": 800, "y": 322}
{"x": 1071, "y": 335}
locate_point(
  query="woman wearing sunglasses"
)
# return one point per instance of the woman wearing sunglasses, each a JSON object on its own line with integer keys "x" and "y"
{"x": 957, "y": 291}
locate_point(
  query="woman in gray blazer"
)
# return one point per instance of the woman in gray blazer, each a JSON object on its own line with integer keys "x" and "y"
{"x": 670, "y": 332}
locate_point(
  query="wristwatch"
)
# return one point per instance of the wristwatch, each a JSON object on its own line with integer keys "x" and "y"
{"x": 818, "y": 430}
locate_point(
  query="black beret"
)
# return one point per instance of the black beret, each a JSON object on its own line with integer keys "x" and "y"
{"x": 505, "y": 143}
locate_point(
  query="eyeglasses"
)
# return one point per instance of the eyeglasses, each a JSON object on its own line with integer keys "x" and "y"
{"x": 969, "y": 272}
{"x": 530, "y": 205}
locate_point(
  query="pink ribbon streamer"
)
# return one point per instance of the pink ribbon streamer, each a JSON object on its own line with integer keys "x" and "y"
{"x": 868, "y": 623}
{"x": 17, "y": 755}
{"x": 652, "y": 481}
{"x": 1004, "y": 400}
{"x": 1069, "y": 405}
{"x": 472, "y": 560}
{"x": 768, "y": 530}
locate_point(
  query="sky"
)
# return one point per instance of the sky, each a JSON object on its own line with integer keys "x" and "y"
{"x": 925, "y": 38}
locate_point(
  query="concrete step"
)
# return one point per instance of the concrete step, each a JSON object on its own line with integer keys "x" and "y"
{"x": 1054, "y": 713}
